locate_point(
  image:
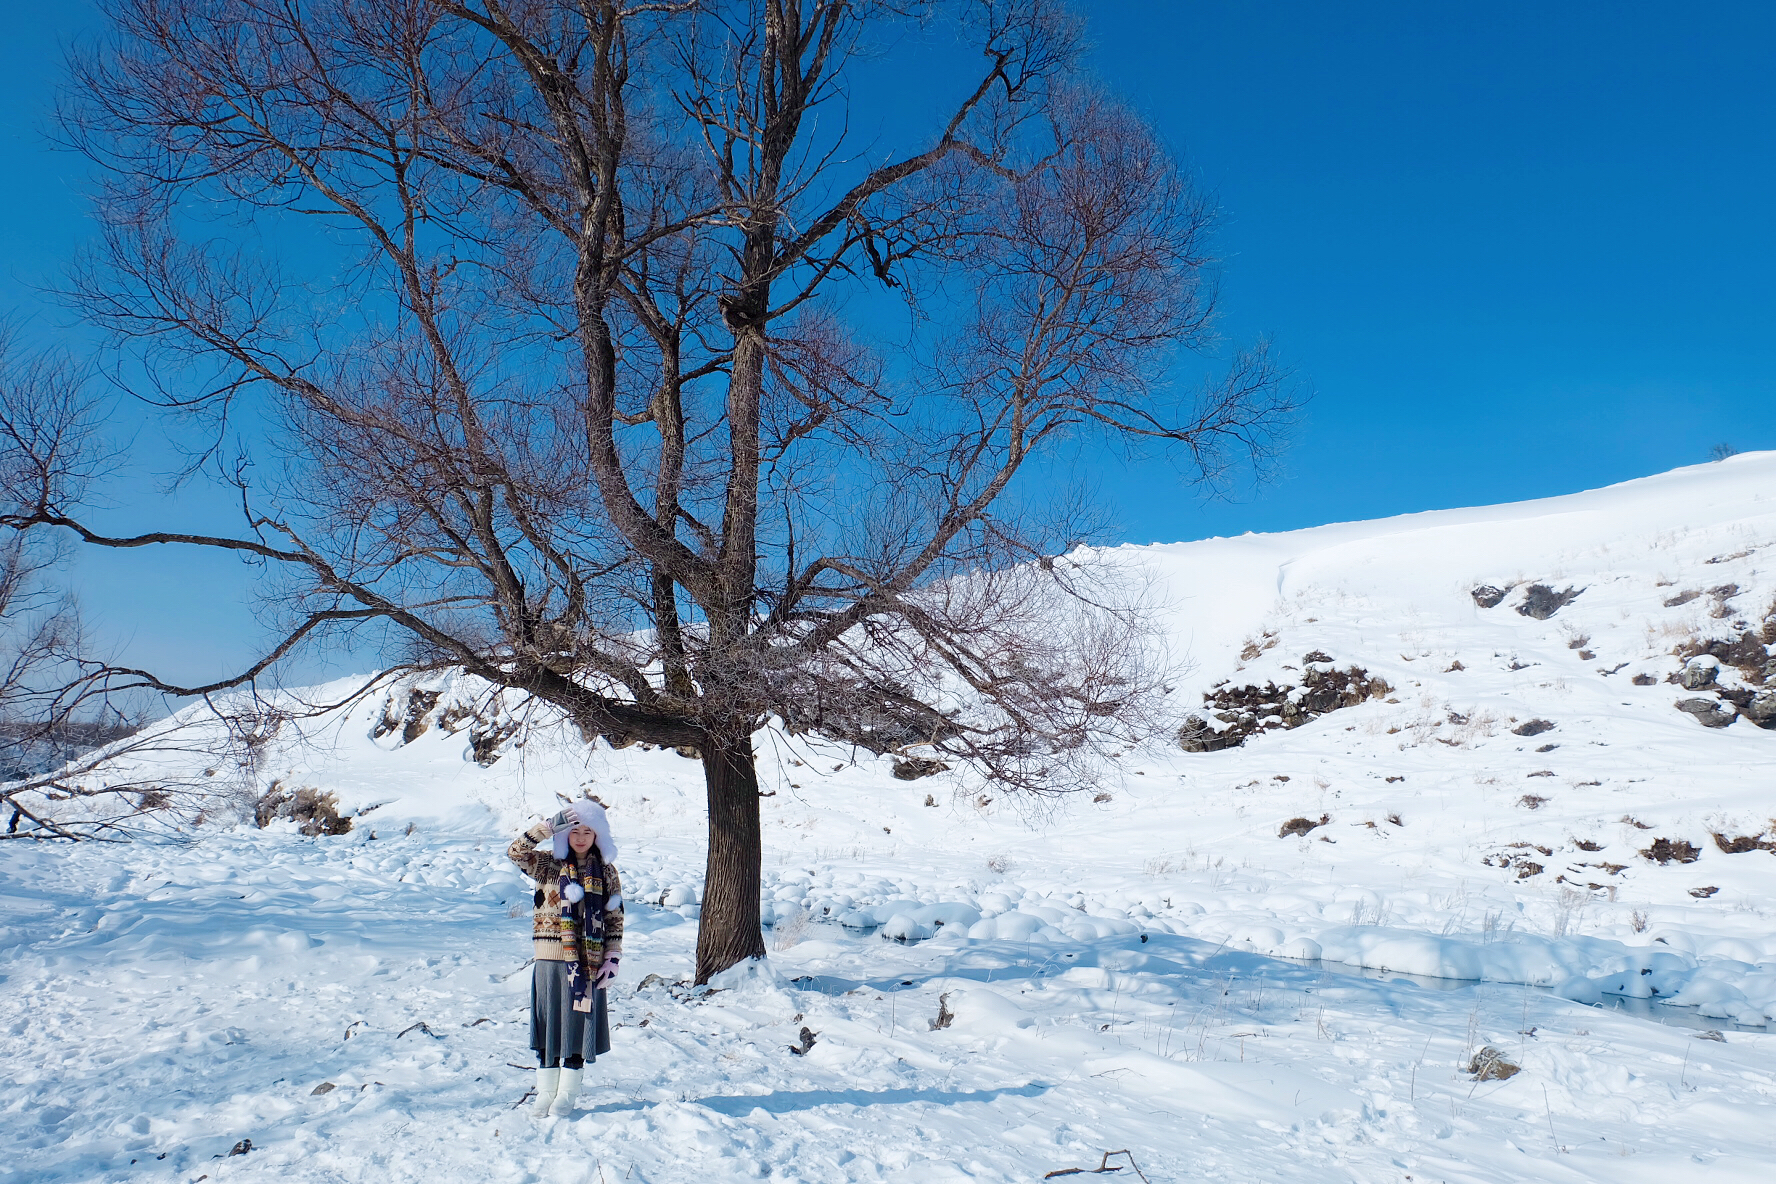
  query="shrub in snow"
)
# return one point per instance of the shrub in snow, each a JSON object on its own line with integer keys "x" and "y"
{"x": 316, "y": 812}
{"x": 1739, "y": 844}
{"x": 1490, "y": 1065}
{"x": 1542, "y": 602}
{"x": 1669, "y": 851}
{"x": 912, "y": 768}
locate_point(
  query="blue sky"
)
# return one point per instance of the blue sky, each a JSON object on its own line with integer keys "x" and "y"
{"x": 1513, "y": 249}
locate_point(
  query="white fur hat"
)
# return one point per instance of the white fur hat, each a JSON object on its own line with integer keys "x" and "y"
{"x": 584, "y": 814}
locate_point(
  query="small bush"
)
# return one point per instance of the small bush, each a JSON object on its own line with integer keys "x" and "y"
{"x": 1301, "y": 826}
{"x": 1490, "y": 1065}
{"x": 1672, "y": 851}
{"x": 1739, "y": 844}
{"x": 914, "y": 767}
{"x": 317, "y": 812}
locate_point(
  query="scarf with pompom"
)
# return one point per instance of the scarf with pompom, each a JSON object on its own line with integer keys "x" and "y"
{"x": 581, "y": 887}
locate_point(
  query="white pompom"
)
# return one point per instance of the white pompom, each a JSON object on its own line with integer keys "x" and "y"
{"x": 574, "y": 893}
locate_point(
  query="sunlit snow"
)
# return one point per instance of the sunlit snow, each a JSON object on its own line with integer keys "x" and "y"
{"x": 992, "y": 991}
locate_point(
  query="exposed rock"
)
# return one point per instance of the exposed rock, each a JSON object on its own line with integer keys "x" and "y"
{"x": 1681, "y": 598}
{"x": 1534, "y": 727}
{"x": 419, "y": 706}
{"x": 1704, "y": 893}
{"x": 1487, "y": 596}
{"x": 1670, "y": 851}
{"x": 1699, "y": 672}
{"x": 409, "y": 713}
{"x": 1710, "y": 713}
{"x": 1198, "y": 735}
{"x": 1542, "y": 602}
{"x": 1748, "y": 653}
{"x": 1644, "y": 680}
{"x": 487, "y": 739}
{"x": 1745, "y": 653}
{"x": 1761, "y": 710}
{"x": 1243, "y": 711}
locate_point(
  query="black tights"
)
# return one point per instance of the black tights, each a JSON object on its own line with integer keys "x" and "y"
{"x": 575, "y": 1062}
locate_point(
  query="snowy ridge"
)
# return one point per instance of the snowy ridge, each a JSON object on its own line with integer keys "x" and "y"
{"x": 996, "y": 993}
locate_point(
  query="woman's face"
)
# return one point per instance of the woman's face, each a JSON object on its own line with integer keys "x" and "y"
{"x": 579, "y": 839}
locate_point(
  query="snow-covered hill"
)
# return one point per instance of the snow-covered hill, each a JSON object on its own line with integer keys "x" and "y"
{"x": 1170, "y": 961}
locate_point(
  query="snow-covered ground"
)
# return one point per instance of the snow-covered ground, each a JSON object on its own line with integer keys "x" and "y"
{"x": 995, "y": 992}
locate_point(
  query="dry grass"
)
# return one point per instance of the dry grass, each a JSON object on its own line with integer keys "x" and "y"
{"x": 788, "y": 933}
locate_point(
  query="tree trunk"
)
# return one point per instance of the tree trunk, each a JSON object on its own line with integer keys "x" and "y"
{"x": 729, "y": 930}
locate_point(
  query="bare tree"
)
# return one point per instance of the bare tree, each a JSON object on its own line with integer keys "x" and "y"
{"x": 565, "y": 321}
{"x": 76, "y": 759}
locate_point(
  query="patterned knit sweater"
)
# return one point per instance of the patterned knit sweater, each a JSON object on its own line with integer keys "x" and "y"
{"x": 545, "y": 926}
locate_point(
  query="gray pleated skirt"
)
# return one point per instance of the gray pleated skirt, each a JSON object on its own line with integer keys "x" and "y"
{"x": 557, "y": 1031}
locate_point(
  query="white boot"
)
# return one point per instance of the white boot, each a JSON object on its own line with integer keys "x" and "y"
{"x": 547, "y": 1083}
{"x": 567, "y": 1094}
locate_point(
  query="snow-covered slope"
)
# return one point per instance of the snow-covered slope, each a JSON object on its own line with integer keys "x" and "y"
{"x": 1108, "y": 971}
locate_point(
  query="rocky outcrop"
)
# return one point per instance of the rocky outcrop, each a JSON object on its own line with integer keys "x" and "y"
{"x": 1761, "y": 710}
{"x": 1746, "y": 653}
{"x": 1699, "y": 673}
{"x": 1231, "y": 714}
{"x": 1748, "y": 659}
{"x": 1710, "y": 713}
{"x": 414, "y": 711}
{"x": 1487, "y": 596}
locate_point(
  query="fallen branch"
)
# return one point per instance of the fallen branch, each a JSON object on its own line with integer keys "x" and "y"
{"x": 1102, "y": 1168}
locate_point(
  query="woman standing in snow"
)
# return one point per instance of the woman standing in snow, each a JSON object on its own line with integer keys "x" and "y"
{"x": 577, "y": 931}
